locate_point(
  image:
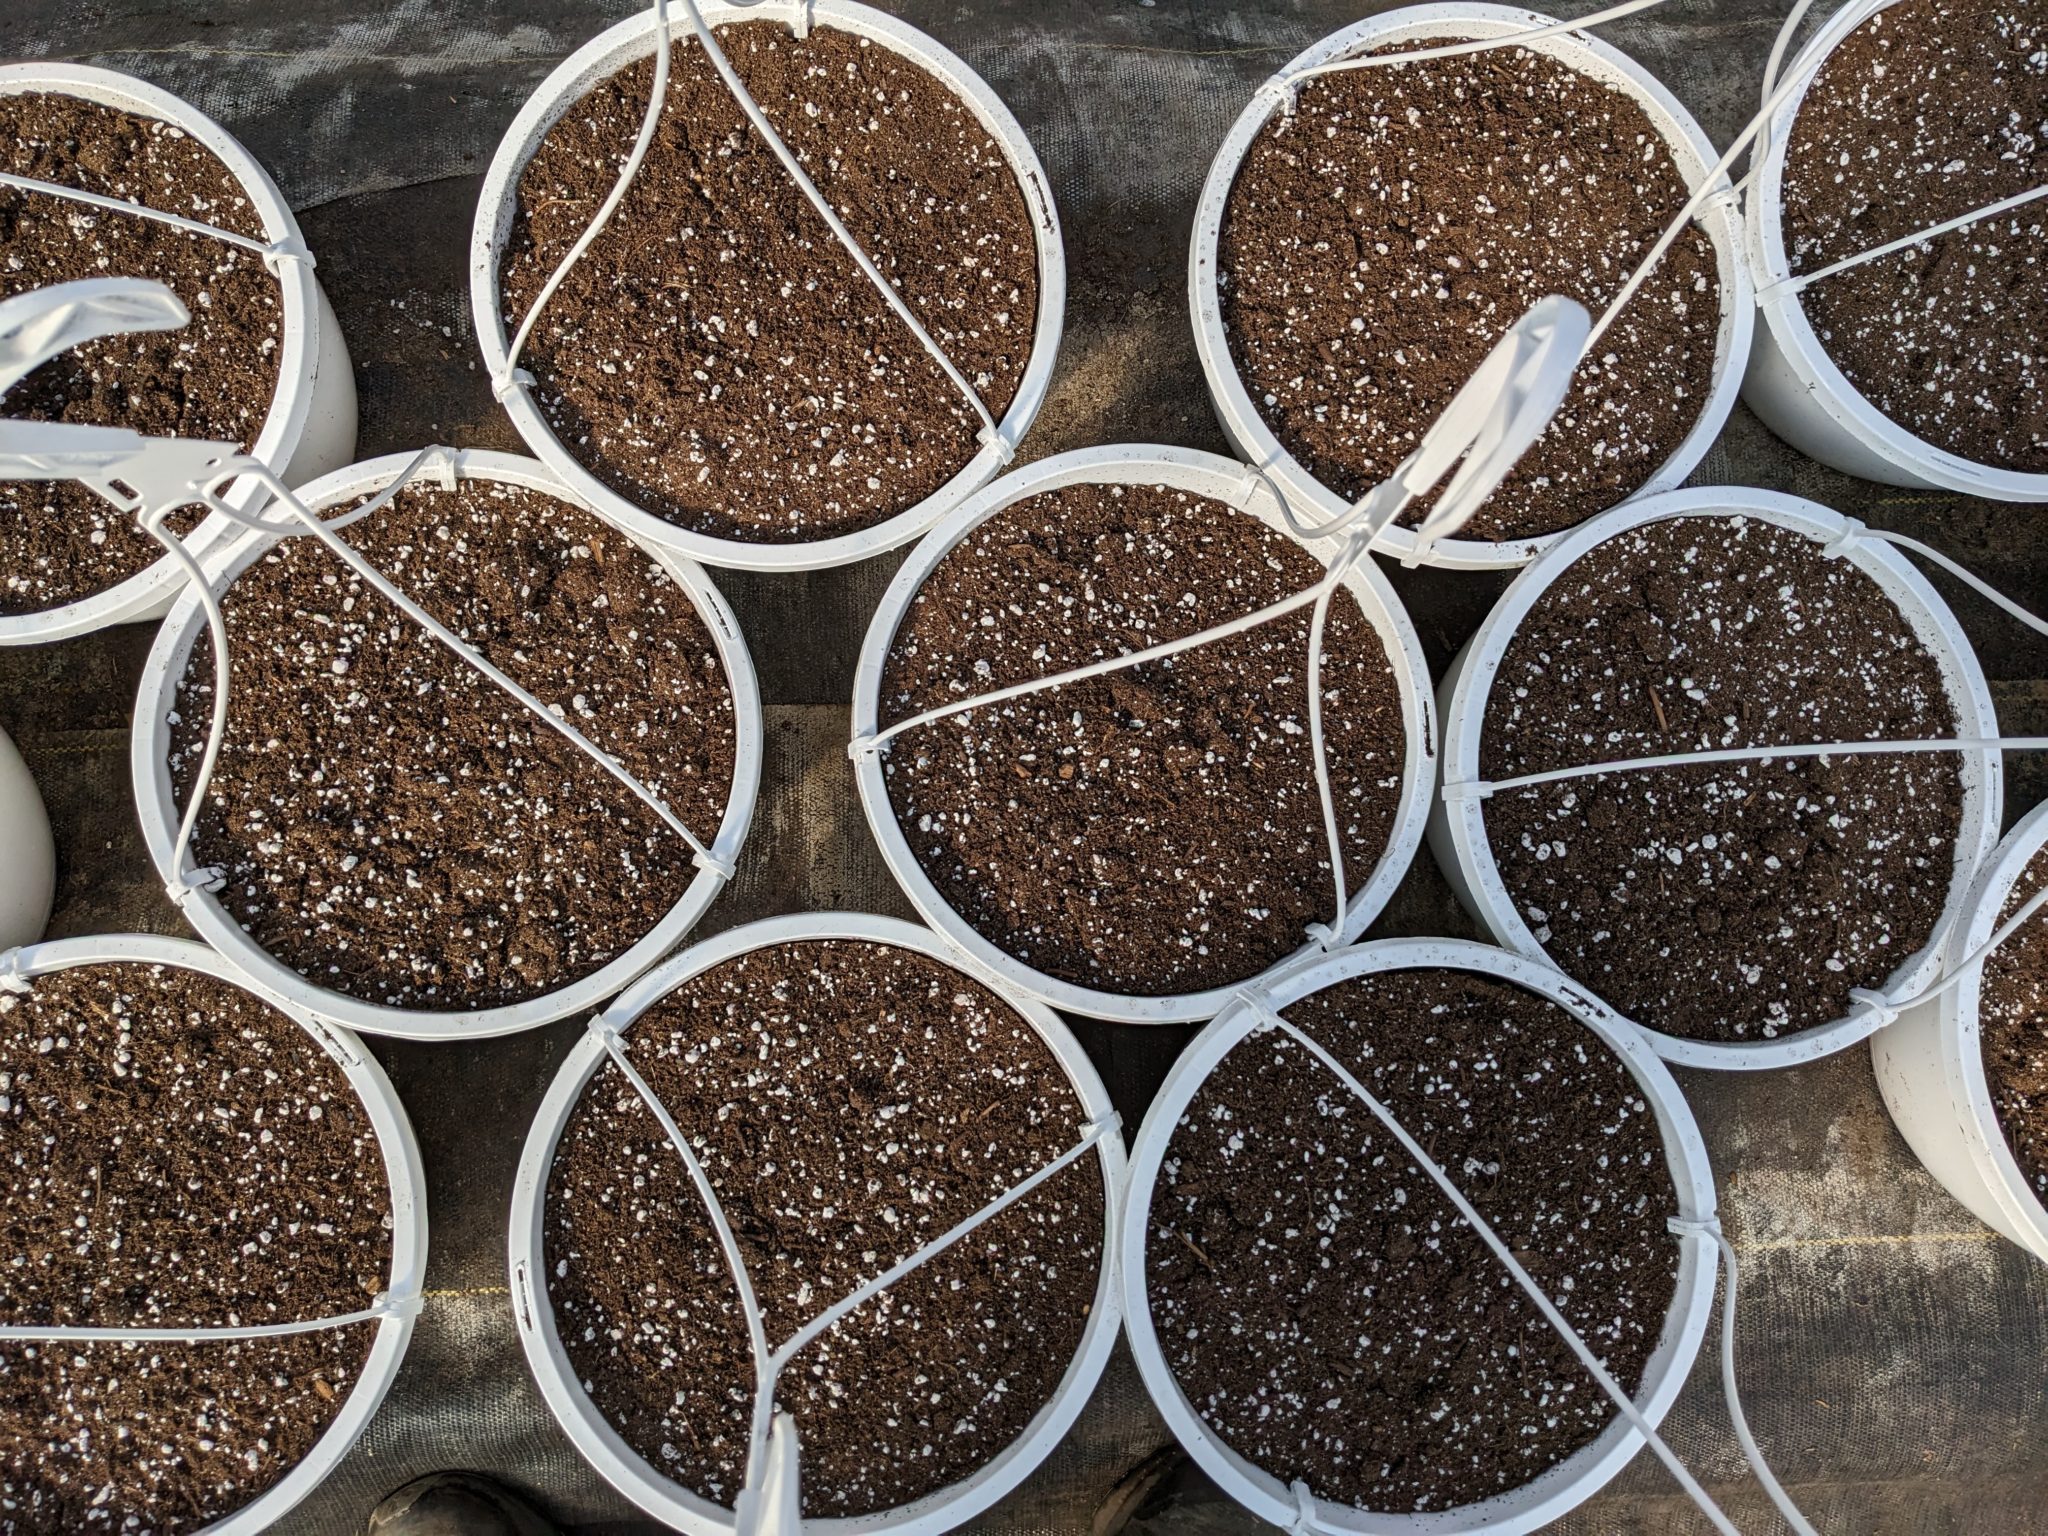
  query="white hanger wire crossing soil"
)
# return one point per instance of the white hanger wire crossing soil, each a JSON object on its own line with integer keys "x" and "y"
{"x": 512, "y": 376}
{"x": 770, "y": 1503}
{"x": 1259, "y": 1017}
{"x": 397, "y": 1300}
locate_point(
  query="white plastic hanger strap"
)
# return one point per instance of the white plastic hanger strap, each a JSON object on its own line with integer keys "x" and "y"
{"x": 387, "y": 1304}
{"x": 770, "y": 1363}
{"x": 1261, "y": 1017}
{"x": 510, "y": 377}
{"x": 37, "y": 325}
{"x": 1483, "y": 789}
{"x": 1307, "y": 1522}
{"x": 1730, "y": 1390}
{"x": 291, "y": 248}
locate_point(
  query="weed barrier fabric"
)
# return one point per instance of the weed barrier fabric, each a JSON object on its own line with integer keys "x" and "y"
{"x": 1886, "y": 1335}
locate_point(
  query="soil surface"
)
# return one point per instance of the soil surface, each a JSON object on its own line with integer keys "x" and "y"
{"x": 1378, "y": 243}
{"x": 59, "y": 542}
{"x": 717, "y": 357}
{"x": 396, "y": 828}
{"x": 1157, "y": 830}
{"x": 1739, "y": 901}
{"x": 1326, "y": 1310}
{"x": 2012, "y": 1014}
{"x": 175, "y": 1153}
{"x": 1928, "y": 111}
{"x": 851, "y": 1102}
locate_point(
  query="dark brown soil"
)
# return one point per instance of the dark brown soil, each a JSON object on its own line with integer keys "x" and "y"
{"x": 717, "y": 357}
{"x": 59, "y": 542}
{"x": 397, "y": 829}
{"x": 1743, "y": 901}
{"x": 1328, "y": 1312}
{"x": 1383, "y": 238}
{"x": 2012, "y": 1013}
{"x": 1928, "y": 111}
{"x": 1158, "y": 830}
{"x": 851, "y": 1102}
{"x": 179, "y": 1154}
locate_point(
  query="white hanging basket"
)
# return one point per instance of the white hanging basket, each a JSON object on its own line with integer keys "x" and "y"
{"x": 1691, "y": 152}
{"x": 602, "y": 1445}
{"x": 1793, "y": 384}
{"x": 1930, "y": 1067}
{"x": 408, "y": 1193}
{"x": 311, "y": 425}
{"x": 631, "y": 40}
{"x": 157, "y": 805}
{"x": 1457, "y": 828}
{"x": 30, "y": 882}
{"x": 1199, "y": 474}
{"x": 1572, "y": 1481}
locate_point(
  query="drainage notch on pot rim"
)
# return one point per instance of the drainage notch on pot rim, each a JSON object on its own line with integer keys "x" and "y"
{"x": 595, "y": 1437}
{"x": 1691, "y": 152}
{"x": 184, "y": 633}
{"x": 1458, "y": 831}
{"x": 309, "y": 427}
{"x": 1930, "y": 1063}
{"x": 1567, "y": 1483}
{"x": 622, "y": 46}
{"x": 1198, "y": 475}
{"x": 400, "y": 1158}
{"x": 1793, "y": 383}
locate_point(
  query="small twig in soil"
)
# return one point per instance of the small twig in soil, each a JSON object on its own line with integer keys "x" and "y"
{"x": 1200, "y": 1256}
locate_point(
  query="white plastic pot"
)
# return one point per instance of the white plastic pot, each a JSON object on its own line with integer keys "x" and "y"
{"x": 1691, "y": 152}
{"x": 311, "y": 425}
{"x": 1793, "y": 384}
{"x": 27, "y": 853}
{"x": 1200, "y": 474}
{"x": 1930, "y": 1067}
{"x": 159, "y": 810}
{"x": 631, "y": 40}
{"x": 601, "y": 1445}
{"x": 1457, "y": 828}
{"x": 1580, "y": 1475}
{"x": 402, "y": 1168}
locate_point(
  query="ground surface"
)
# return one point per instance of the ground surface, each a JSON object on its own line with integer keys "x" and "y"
{"x": 1893, "y": 1346}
